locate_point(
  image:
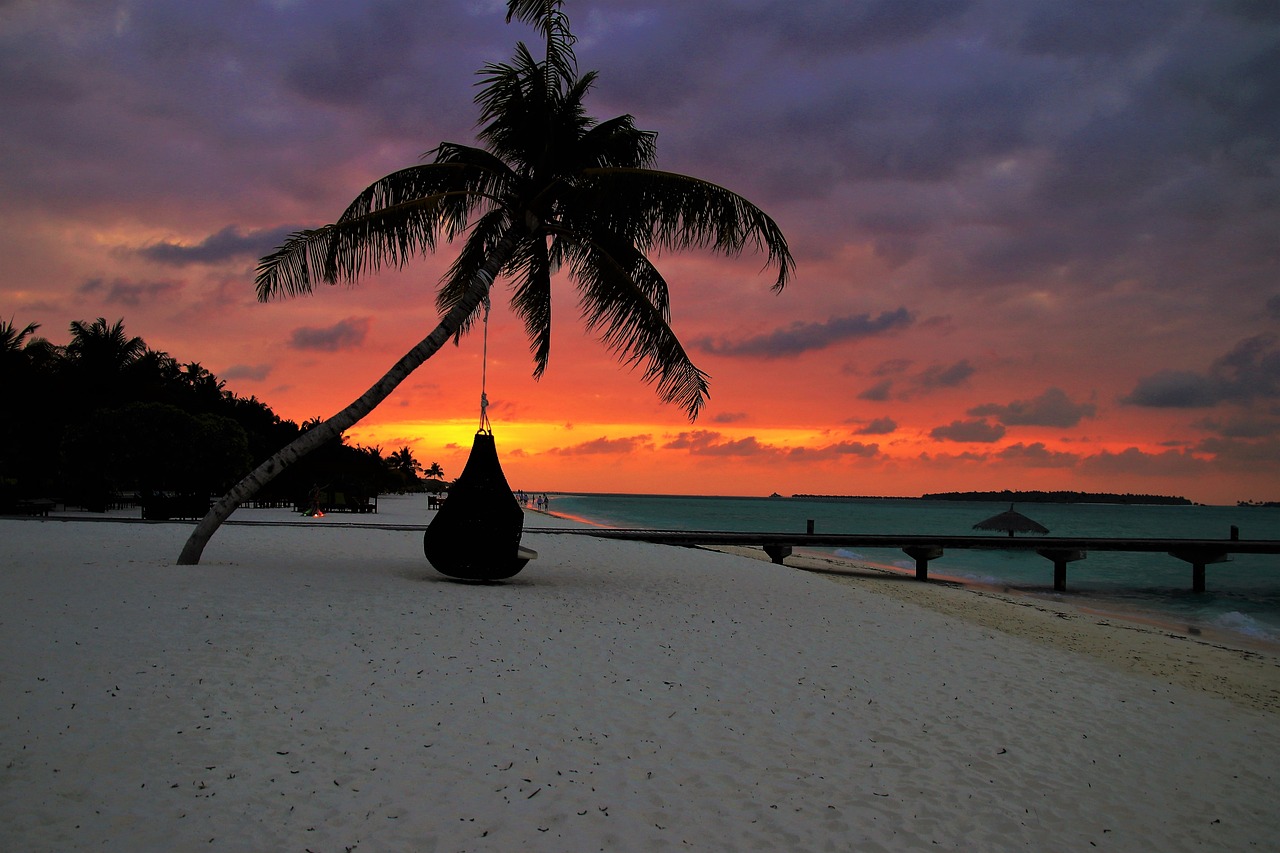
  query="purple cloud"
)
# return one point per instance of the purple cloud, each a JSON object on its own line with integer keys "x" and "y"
{"x": 605, "y": 446}
{"x": 710, "y": 443}
{"x": 804, "y": 337}
{"x": 227, "y": 244}
{"x": 342, "y": 335}
{"x": 877, "y": 393}
{"x": 1250, "y": 371}
{"x": 247, "y": 371}
{"x": 950, "y": 376}
{"x": 131, "y": 293}
{"x": 976, "y": 431}
{"x": 879, "y": 426}
{"x": 1036, "y": 455}
{"x": 1052, "y": 408}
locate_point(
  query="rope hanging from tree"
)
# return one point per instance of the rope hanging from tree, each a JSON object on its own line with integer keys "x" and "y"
{"x": 485, "y": 426}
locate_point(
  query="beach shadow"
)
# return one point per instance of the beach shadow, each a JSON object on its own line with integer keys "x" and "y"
{"x": 856, "y": 573}
{"x": 434, "y": 577}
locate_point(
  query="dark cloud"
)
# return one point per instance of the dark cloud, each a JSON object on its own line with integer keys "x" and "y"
{"x": 1246, "y": 426}
{"x": 1250, "y": 371}
{"x": 879, "y": 426}
{"x": 227, "y": 244}
{"x": 247, "y": 371}
{"x": 877, "y": 393}
{"x": 932, "y": 378}
{"x": 342, "y": 335}
{"x": 805, "y": 337}
{"x": 1174, "y": 389}
{"x": 1135, "y": 462}
{"x": 606, "y": 446}
{"x": 1238, "y": 455}
{"x": 1036, "y": 455}
{"x": 131, "y": 293}
{"x": 1053, "y": 408}
{"x": 834, "y": 451}
{"x": 940, "y": 376}
{"x": 977, "y": 431}
{"x": 710, "y": 443}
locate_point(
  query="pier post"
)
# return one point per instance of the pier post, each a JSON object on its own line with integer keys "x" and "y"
{"x": 922, "y": 554}
{"x": 1060, "y": 558}
{"x": 777, "y": 552}
{"x": 1199, "y": 558}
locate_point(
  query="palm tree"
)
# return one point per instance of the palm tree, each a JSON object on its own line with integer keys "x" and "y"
{"x": 434, "y": 471}
{"x": 105, "y": 365}
{"x": 102, "y": 347}
{"x": 403, "y": 463}
{"x": 12, "y": 338}
{"x": 552, "y": 189}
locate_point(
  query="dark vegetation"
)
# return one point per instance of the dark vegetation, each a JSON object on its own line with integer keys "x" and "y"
{"x": 106, "y": 421}
{"x": 1059, "y": 497}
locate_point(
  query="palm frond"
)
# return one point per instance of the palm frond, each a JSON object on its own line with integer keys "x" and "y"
{"x": 623, "y": 299}
{"x": 617, "y": 143}
{"x": 450, "y": 188}
{"x": 391, "y": 221}
{"x": 532, "y": 268}
{"x": 12, "y": 338}
{"x": 550, "y": 20}
{"x": 287, "y": 270}
{"x": 673, "y": 211}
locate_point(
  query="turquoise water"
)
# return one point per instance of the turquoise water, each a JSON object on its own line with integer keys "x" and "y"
{"x": 1243, "y": 594}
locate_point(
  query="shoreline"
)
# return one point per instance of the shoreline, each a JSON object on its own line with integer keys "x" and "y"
{"x": 1219, "y": 663}
{"x": 1249, "y": 622}
{"x": 1231, "y": 665}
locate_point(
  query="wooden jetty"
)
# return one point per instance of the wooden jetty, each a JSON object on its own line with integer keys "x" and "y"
{"x": 1058, "y": 550}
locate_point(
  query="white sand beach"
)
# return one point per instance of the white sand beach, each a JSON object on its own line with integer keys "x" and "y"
{"x": 319, "y": 687}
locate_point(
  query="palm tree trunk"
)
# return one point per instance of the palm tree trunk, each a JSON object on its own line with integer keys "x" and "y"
{"x": 343, "y": 420}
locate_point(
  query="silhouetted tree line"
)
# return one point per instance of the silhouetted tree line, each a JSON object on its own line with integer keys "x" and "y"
{"x": 106, "y": 416}
{"x": 1059, "y": 497}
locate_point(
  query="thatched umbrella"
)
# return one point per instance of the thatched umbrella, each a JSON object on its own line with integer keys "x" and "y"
{"x": 1011, "y": 522}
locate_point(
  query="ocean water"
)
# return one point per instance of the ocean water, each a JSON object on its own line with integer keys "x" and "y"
{"x": 1242, "y": 595}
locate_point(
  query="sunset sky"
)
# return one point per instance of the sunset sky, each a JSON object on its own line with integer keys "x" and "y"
{"x": 1037, "y": 241}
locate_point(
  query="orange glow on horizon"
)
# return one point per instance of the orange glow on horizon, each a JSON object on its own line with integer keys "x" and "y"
{"x": 743, "y": 460}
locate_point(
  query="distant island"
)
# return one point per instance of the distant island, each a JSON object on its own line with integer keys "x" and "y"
{"x": 1059, "y": 497}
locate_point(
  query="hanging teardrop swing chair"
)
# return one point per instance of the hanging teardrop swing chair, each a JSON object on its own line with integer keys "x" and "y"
{"x": 476, "y": 532}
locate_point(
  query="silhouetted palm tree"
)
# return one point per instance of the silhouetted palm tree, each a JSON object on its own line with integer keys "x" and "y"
{"x": 104, "y": 365}
{"x": 12, "y": 339}
{"x": 102, "y": 347}
{"x": 402, "y": 462}
{"x": 434, "y": 471}
{"x": 552, "y": 189}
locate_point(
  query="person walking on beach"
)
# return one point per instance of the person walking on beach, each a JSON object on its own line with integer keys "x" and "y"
{"x": 313, "y": 511}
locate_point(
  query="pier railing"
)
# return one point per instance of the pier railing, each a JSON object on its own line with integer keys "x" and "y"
{"x": 1060, "y": 550}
